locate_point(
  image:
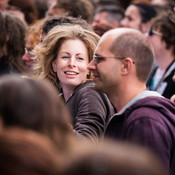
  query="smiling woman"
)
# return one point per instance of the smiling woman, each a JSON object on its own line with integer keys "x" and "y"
{"x": 64, "y": 56}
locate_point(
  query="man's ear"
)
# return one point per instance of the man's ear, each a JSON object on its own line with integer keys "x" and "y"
{"x": 127, "y": 64}
{"x": 54, "y": 66}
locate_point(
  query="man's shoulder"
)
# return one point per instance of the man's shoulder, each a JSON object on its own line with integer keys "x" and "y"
{"x": 158, "y": 109}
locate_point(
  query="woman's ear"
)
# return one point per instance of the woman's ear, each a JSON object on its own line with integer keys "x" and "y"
{"x": 54, "y": 66}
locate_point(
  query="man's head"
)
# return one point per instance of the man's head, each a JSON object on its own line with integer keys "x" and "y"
{"x": 106, "y": 18}
{"x": 138, "y": 16}
{"x": 121, "y": 54}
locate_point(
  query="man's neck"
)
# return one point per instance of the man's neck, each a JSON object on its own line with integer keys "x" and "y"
{"x": 125, "y": 95}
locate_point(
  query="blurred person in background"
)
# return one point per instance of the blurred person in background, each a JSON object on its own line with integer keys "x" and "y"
{"x": 27, "y": 152}
{"x": 74, "y": 8}
{"x": 31, "y": 40}
{"x": 26, "y": 8}
{"x": 113, "y": 158}
{"x": 138, "y": 16}
{"x": 3, "y": 5}
{"x": 42, "y": 7}
{"x": 12, "y": 43}
{"x": 162, "y": 38}
{"x": 33, "y": 104}
{"x": 107, "y": 17}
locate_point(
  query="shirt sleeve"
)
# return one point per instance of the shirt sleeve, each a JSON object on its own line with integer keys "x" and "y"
{"x": 94, "y": 110}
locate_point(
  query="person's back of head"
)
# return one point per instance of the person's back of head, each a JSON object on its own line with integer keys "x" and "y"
{"x": 34, "y": 104}
{"x": 77, "y": 8}
{"x": 53, "y": 21}
{"x": 133, "y": 44}
{"x": 27, "y": 152}
{"x": 12, "y": 41}
{"x": 114, "y": 159}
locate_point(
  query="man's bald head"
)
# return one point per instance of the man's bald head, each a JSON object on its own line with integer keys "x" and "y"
{"x": 127, "y": 42}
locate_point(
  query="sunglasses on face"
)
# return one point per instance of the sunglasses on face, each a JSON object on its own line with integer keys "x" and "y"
{"x": 99, "y": 59}
{"x": 29, "y": 51}
{"x": 152, "y": 32}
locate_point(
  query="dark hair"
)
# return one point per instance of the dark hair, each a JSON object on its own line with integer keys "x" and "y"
{"x": 147, "y": 12}
{"x": 111, "y": 9}
{"x": 34, "y": 104}
{"x": 108, "y": 2}
{"x": 28, "y": 8}
{"x": 12, "y": 37}
{"x": 42, "y": 8}
{"x": 165, "y": 23}
{"x": 77, "y": 8}
{"x": 54, "y": 21}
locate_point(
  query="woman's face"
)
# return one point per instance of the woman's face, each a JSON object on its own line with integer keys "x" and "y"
{"x": 71, "y": 63}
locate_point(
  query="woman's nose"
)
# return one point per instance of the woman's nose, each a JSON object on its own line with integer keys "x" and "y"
{"x": 72, "y": 61}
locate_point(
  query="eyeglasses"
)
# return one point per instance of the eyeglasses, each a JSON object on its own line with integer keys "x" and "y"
{"x": 152, "y": 32}
{"x": 98, "y": 58}
{"x": 29, "y": 51}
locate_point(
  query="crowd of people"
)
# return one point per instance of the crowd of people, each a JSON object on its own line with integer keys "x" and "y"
{"x": 87, "y": 87}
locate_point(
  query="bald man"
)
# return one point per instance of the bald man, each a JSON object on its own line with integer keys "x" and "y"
{"x": 121, "y": 65}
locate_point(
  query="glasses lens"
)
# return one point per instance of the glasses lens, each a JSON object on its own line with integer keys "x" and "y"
{"x": 28, "y": 51}
{"x": 150, "y": 32}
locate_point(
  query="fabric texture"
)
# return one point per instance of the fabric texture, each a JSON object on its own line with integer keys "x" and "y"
{"x": 91, "y": 110}
{"x": 148, "y": 120}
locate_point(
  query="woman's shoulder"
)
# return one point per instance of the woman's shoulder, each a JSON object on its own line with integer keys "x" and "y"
{"x": 86, "y": 87}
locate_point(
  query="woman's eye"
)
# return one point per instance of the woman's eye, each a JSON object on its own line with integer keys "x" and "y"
{"x": 65, "y": 57}
{"x": 80, "y": 58}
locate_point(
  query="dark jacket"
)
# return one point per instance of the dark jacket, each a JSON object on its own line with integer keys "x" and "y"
{"x": 167, "y": 86}
{"x": 90, "y": 110}
{"x": 149, "y": 121}
{"x": 4, "y": 67}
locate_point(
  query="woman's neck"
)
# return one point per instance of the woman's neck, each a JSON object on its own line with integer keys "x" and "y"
{"x": 67, "y": 91}
{"x": 165, "y": 61}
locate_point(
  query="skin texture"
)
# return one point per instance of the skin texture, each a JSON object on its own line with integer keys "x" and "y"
{"x": 133, "y": 19}
{"x": 112, "y": 75}
{"x": 101, "y": 23}
{"x": 71, "y": 64}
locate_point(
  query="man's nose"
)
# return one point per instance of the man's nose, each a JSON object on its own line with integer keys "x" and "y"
{"x": 92, "y": 65}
